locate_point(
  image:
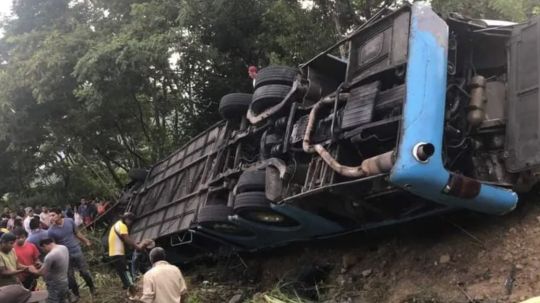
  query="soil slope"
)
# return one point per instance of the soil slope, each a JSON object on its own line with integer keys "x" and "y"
{"x": 460, "y": 257}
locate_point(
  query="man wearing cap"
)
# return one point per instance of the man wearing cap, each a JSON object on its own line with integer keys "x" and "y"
{"x": 64, "y": 232}
{"x": 163, "y": 283}
{"x": 9, "y": 267}
{"x": 118, "y": 237}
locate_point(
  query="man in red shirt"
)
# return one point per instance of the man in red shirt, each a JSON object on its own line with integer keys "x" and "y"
{"x": 27, "y": 255}
{"x": 252, "y": 72}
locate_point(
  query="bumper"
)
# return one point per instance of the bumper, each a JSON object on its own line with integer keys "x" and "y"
{"x": 423, "y": 123}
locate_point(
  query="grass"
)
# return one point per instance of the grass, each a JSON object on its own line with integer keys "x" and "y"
{"x": 109, "y": 287}
{"x": 275, "y": 295}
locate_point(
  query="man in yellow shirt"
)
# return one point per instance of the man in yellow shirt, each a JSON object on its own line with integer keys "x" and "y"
{"x": 163, "y": 283}
{"x": 118, "y": 239}
{"x": 9, "y": 267}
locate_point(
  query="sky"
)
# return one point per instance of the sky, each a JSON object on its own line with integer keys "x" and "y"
{"x": 5, "y": 6}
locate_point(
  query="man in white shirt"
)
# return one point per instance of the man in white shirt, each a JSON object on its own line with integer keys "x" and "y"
{"x": 29, "y": 215}
{"x": 163, "y": 283}
{"x": 44, "y": 217}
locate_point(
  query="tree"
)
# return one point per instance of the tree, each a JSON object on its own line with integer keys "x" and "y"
{"x": 514, "y": 10}
{"x": 90, "y": 89}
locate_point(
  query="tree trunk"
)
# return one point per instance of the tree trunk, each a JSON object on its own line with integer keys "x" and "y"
{"x": 113, "y": 174}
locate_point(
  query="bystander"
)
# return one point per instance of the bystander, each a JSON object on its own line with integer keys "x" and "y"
{"x": 55, "y": 271}
{"x": 3, "y": 227}
{"x": 44, "y": 217}
{"x": 37, "y": 234}
{"x": 163, "y": 283}
{"x": 64, "y": 232}
{"x": 118, "y": 237}
{"x": 27, "y": 255}
{"x": 29, "y": 214}
{"x": 9, "y": 268}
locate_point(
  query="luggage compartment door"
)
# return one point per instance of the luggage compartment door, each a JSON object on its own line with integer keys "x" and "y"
{"x": 523, "y": 126}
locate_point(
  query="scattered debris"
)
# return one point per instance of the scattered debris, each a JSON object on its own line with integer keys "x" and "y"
{"x": 237, "y": 298}
{"x": 367, "y": 273}
{"x": 349, "y": 260}
{"x": 444, "y": 259}
{"x": 464, "y": 292}
{"x": 509, "y": 282}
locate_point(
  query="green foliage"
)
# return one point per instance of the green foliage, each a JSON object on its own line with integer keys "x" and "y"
{"x": 91, "y": 89}
{"x": 289, "y": 32}
{"x": 514, "y": 10}
{"x": 276, "y": 295}
{"x": 195, "y": 297}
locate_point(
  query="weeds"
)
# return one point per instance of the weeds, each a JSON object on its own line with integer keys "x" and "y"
{"x": 276, "y": 295}
{"x": 110, "y": 290}
{"x": 195, "y": 296}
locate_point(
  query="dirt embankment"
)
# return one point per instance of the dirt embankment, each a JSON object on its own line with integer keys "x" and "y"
{"x": 461, "y": 257}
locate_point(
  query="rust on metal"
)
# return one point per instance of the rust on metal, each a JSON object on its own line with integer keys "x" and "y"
{"x": 478, "y": 101}
{"x": 371, "y": 166}
{"x": 462, "y": 187}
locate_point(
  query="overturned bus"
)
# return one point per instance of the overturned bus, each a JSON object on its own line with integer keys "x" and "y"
{"x": 426, "y": 115}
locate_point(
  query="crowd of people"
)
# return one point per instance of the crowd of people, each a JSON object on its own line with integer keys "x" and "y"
{"x": 83, "y": 214}
{"x": 44, "y": 244}
{"x": 48, "y": 244}
{"x": 87, "y": 211}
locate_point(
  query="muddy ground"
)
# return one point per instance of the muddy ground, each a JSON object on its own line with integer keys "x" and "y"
{"x": 459, "y": 257}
